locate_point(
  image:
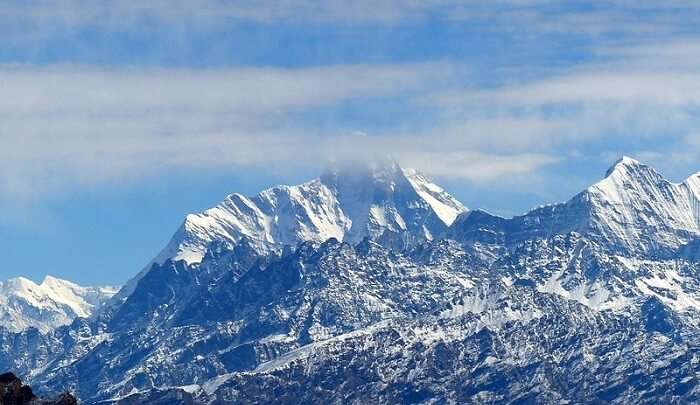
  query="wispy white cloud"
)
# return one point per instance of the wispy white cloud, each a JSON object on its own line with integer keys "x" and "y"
{"x": 69, "y": 89}
{"x": 69, "y": 126}
{"x": 458, "y": 153}
{"x": 73, "y": 125}
{"x": 632, "y": 93}
{"x": 657, "y": 73}
{"x": 77, "y": 12}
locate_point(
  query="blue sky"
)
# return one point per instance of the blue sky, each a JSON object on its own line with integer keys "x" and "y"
{"x": 117, "y": 120}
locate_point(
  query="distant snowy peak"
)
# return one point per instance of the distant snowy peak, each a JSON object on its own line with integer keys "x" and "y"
{"x": 45, "y": 306}
{"x": 634, "y": 210}
{"x": 348, "y": 202}
{"x": 634, "y": 203}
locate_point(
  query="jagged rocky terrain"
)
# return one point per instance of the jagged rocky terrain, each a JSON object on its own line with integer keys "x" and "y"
{"x": 373, "y": 285}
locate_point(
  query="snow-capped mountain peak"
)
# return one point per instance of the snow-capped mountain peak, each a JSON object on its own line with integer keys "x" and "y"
{"x": 623, "y": 165}
{"x": 445, "y": 206}
{"x": 629, "y": 176}
{"x": 633, "y": 210}
{"x": 350, "y": 201}
{"x": 635, "y": 202}
{"x": 380, "y": 196}
{"x": 53, "y": 303}
{"x": 692, "y": 184}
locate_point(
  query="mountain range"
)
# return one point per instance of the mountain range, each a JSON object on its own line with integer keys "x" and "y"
{"x": 371, "y": 284}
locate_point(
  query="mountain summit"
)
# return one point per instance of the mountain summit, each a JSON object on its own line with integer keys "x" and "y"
{"x": 637, "y": 209}
{"x": 633, "y": 210}
{"x": 349, "y": 202}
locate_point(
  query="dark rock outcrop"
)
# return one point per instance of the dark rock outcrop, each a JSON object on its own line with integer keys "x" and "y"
{"x": 13, "y": 392}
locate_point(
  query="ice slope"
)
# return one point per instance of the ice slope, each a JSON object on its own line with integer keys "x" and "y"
{"x": 637, "y": 208}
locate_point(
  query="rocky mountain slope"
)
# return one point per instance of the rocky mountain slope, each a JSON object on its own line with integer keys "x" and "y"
{"x": 350, "y": 201}
{"x": 363, "y": 287}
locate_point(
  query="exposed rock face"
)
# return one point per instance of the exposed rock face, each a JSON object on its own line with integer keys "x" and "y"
{"x": 13, "y": 392}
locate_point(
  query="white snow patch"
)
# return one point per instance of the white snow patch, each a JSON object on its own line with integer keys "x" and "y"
{"x": 676, "y": 297}
{"x": 593, "y": 295}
